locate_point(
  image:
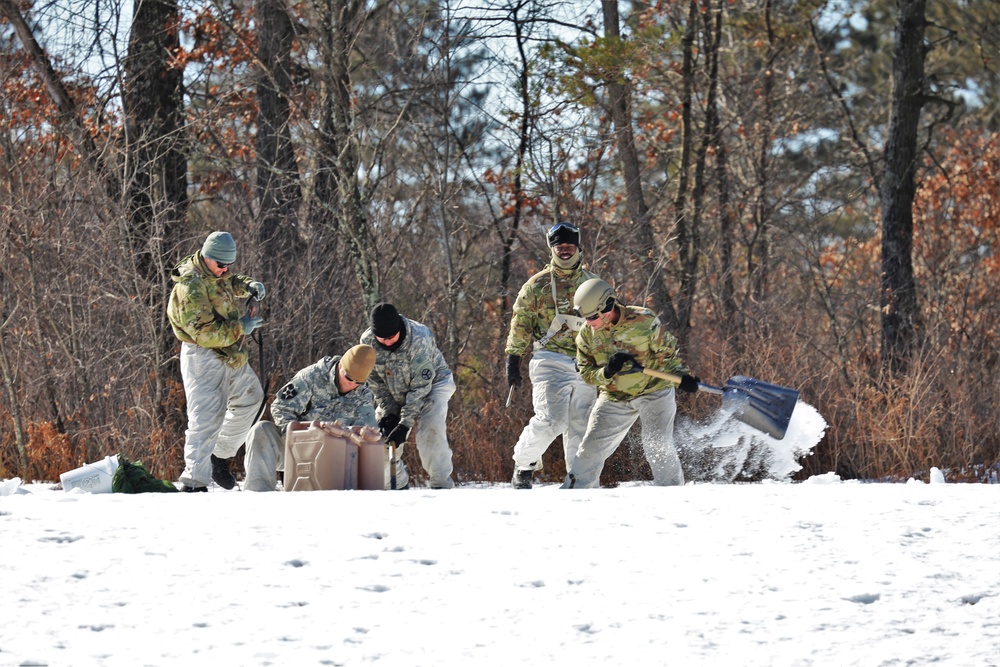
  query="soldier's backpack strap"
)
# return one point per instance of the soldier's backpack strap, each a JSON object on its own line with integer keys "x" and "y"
{"x": 560, "y": 322}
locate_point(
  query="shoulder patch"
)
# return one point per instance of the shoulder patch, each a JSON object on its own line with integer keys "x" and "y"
{"x": 426, "y": 374}
{"x": 288, "y": 392}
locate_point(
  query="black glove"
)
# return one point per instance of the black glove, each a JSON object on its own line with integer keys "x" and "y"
{"x": 513, "y": 371}
{"x": 616, "y": 363}
{"x": 387, "y": 423}
{"x": 689, "y": 383}
{"x": 398, "y": 434}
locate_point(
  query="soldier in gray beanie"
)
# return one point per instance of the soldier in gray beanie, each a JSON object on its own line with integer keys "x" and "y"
{"x": 220, "y": 246}
{"x": 223, "y": 393}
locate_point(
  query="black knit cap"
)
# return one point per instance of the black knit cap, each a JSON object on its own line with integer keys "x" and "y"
{"x": 386, "y": 321}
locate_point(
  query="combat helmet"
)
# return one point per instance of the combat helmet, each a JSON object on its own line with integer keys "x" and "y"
{"x": 594, "y": 297}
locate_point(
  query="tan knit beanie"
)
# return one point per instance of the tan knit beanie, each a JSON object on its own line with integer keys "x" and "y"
{"x": 358, "y": 362}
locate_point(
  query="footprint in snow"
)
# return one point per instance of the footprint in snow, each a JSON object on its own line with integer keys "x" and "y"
{"x": 61, "y": 538}
{"x": 377, "y": 588}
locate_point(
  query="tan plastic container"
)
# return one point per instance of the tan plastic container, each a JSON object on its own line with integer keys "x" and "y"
{"x": 320, "y": 456}
{"x": 371, "y": 458}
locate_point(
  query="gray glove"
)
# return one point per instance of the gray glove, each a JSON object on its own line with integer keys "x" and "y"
{"x": 250, "y": 322}
{"x": 256, "y": 290}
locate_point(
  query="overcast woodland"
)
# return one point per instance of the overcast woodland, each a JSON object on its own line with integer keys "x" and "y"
{"x": 805, "y": 191}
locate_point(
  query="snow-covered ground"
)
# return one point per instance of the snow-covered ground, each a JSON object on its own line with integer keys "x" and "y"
{"x": 823, "y": 573}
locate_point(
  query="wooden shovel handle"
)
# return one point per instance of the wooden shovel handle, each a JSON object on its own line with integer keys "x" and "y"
{"x": 676, "y": 379}
{"x": 670, "y": 377}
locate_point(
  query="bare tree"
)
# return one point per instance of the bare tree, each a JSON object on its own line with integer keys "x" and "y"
{"x": 278, "y": 191}
{"x": 900, "y": 310}
{"x": 338, "y": 186}
{"x": 620, "y": 106}
{"x": 156, "y": 159}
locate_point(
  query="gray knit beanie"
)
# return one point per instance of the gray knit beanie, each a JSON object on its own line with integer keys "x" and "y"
{"x": 221, "y": 247}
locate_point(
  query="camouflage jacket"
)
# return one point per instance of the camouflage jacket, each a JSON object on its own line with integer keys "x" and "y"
{"x": 402, "y": 378}
{"x": 204, "y": 310}
{"x": 639, "y": 333}
{"x": 312, "y": 395}
{"x": 534, "y": 310}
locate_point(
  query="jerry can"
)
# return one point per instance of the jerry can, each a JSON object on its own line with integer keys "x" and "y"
{"x": 371, "y": 458}
{"x": 320, "y": 456}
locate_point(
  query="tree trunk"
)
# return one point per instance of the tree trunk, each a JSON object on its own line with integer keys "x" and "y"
{"x": 727, "y": 227}
{"x": 621, "y": 116}
{"x": 523, "y": 144}
{"x": 900, "y": 310}
{"x": 758, "y": 254}
{"x": 13, "y": 395}
{"x": 685, "y": 221}
{"x": 345, "y": 17}
{"x": 278, "y": 189}
{"x": 156, "y": 170}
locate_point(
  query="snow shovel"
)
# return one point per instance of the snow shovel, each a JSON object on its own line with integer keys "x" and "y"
{"x": 767, "y": 407}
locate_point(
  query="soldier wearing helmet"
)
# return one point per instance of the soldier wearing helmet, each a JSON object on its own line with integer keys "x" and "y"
{"x": 616, "y": 343}
{"x": 543, "y": 322}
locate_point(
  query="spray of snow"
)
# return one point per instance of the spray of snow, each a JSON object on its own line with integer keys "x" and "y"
{"x": 724, "y": 449}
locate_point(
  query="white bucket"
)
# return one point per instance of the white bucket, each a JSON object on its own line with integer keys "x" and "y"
{"x": 93, "y": 477}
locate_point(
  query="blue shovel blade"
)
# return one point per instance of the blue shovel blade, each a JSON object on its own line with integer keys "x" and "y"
{"x": 767, "y": 407}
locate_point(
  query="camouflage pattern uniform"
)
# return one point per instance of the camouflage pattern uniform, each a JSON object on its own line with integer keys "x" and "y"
{"x": 561, "y": 399}
{"x": 629, "y": 396}
{"x": 223, "y": 393}
{"x": 414, "y": 382}
{"x": 311, "y": 395}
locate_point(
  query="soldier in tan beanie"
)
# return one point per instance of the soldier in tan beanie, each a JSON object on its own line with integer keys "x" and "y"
{"x": 330, "y": 390}
{"x": 358, "y": 362}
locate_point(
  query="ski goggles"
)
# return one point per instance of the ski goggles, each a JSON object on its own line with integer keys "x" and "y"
{"x": 564, "y": 232}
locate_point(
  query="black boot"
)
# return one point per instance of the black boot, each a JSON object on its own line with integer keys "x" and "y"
{"x": 193, "y": 489}
{"x": 221, "y": 474}
{"x": 522, "y": 479}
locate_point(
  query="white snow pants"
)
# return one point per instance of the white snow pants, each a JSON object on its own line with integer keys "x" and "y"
{"x": 431, "y": 437}
{"x": 562, "y": 401}
{"x": 222, "y": 403}
{"x": 265, "y": 455}
{"x": 610, "y": 422}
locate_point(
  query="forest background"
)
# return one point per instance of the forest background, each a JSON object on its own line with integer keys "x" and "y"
{"x": 806, "y": 191}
